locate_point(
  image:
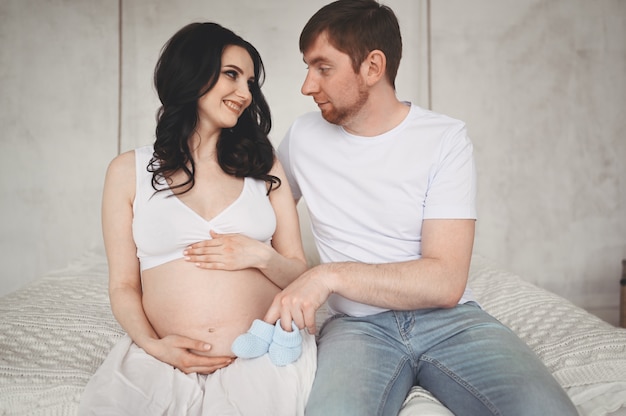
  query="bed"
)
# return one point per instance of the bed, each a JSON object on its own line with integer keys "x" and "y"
{"x": 55, "y": 332}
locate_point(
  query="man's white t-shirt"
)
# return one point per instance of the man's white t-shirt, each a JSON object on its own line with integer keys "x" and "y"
{"x": 367, "y": 196}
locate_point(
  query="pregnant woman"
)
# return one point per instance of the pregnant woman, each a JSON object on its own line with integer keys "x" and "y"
{"x": 210, "y": 176}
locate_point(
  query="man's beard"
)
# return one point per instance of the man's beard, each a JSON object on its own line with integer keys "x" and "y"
{"x": 341, "y": 116}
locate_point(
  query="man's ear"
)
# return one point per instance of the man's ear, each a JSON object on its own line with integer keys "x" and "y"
{"x": 374, "y": 66}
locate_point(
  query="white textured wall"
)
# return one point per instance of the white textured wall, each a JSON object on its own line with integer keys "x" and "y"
{"x": 541, "y": 85}
{"x": 58, "y": 123}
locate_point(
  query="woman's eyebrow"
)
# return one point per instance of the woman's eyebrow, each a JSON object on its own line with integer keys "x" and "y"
{"x": 238, "y": 70}
{"x": 235, "y": 67}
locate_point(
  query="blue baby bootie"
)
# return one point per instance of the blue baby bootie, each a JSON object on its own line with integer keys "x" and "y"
{"x": 255, "y": 342}
{"x": 285, "y": 347}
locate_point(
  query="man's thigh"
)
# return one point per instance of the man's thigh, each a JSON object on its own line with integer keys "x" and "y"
{"x": 361, "y": 369}
{"x": 481, "y": 367}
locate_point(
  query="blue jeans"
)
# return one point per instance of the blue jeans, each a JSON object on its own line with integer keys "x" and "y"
{"x": 466, "y": 358}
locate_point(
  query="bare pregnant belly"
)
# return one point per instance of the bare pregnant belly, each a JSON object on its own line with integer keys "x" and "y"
{"x": 213, "y": 306}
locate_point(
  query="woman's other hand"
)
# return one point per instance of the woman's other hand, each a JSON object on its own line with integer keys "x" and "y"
{"x": 187, "y": 354}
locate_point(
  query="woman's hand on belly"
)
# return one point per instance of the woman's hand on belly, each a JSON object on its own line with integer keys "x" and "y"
{"x": 178, "y": 351}
{"x": 228, "y": 252}
{"x": 236, "y": 252}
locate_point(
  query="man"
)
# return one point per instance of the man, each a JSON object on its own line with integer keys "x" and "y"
{"x": 390, "y": 189}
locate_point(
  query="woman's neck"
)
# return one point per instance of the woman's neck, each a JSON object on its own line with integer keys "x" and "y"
{"x": 203, "y": 145}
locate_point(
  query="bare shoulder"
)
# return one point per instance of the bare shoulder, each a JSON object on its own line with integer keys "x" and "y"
{"x": 277, "y": 169}
{"x": 122, "y": 164}
{"x": 284, "y": 190}
{"x": 121, "y": 173}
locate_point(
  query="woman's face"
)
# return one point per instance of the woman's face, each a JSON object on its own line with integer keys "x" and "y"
{"x": 222, "y": 105}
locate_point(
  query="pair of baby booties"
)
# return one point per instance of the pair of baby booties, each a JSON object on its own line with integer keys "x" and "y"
{"x": 282, "y": 347}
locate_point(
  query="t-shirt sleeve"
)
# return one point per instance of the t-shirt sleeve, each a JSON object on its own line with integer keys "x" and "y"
{"x": 452, "y": 182}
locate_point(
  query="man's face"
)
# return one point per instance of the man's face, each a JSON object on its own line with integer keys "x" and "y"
{"x": 338, "y": 91}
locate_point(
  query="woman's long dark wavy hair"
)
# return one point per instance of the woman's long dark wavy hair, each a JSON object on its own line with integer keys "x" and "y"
{"x": 189, "y": 67}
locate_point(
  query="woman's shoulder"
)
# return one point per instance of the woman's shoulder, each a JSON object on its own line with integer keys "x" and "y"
{"x": 122, "y": 163}
{"x": 120, "y": 176}
{"x": 126, "y": 161}
{"x": 277, "y": 168}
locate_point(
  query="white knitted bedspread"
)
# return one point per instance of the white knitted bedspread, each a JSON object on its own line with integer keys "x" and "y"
{"x": 55, "y": 332}
{"x": 579, "y": 348}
